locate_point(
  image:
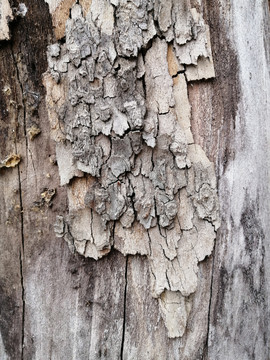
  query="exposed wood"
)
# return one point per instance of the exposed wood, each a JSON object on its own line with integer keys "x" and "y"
{"x": 230, "y": 121}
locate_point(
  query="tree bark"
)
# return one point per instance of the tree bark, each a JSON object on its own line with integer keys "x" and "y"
{"x": 123, "y": 295}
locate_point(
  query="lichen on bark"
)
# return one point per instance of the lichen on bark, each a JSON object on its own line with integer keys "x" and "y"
{"x": 119, "y": 111}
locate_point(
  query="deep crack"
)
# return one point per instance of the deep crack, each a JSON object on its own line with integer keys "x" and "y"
{"x": 124, "y": 312}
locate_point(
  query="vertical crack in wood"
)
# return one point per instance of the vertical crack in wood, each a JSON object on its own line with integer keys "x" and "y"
{"x": 205, "y": 351}
{"x": 21, "y": 205}
{"x": 22, "y": 263}
{"x": 124, "y": 311}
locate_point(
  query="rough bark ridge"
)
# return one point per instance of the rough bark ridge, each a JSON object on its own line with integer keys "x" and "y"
{"x": 120, "y": 116}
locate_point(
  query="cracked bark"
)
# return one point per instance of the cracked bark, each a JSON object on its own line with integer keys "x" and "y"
{"x": 59, "y": 305}
{"x": 119, "y": 106}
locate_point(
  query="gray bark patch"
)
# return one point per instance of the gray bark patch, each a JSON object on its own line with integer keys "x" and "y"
{"x": 121, "y": 118}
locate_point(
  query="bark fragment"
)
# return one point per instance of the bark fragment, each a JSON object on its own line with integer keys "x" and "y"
{"x": 11, "y": 160}
{"x": 119, "y": 109}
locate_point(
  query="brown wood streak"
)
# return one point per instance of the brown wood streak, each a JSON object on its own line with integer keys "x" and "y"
{"x": 59, "y": 17}
{"x": 11, "y": 293}
{"x": 21, "y": 68}
{"x": 61, "y": 14}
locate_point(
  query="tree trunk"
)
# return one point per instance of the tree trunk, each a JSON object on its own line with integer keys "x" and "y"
{"x": 134, "y": 172}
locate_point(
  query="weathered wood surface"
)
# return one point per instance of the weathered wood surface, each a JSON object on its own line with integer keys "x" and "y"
{"x": 57, "y": 305}
{"x": 239, "y": 317}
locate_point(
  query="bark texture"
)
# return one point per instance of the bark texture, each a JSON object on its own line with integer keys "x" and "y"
{"x": 134, "y": 87}
{"x": 119, "y": 111}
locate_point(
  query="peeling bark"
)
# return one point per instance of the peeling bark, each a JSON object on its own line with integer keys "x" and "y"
{"x": 116, "y": 110}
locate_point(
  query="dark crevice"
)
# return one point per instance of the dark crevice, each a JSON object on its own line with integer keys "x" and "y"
{"x": 168, "y": 281}
{"x": 144, "y": 87}
{"x": 23, "y": 304}
{"x": 149, "y": 44}
{"x": 93, "y": 239}
{"x": 163, "y": 113}
{"x": 22, "y": 264}
{"x": 178, "y": 73}
{"x": 166, "y": 257}
{"x": 187, "y": 82}
{"x": 112, "y": 234}
{"x": 206, "y": 346}
{"x": 149, "y": 240}
{"x": 124, "y": 312}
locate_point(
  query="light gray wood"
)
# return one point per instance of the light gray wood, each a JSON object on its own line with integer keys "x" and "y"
{"x": 236, "y": 137}
{"x": 241, "y": 260}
